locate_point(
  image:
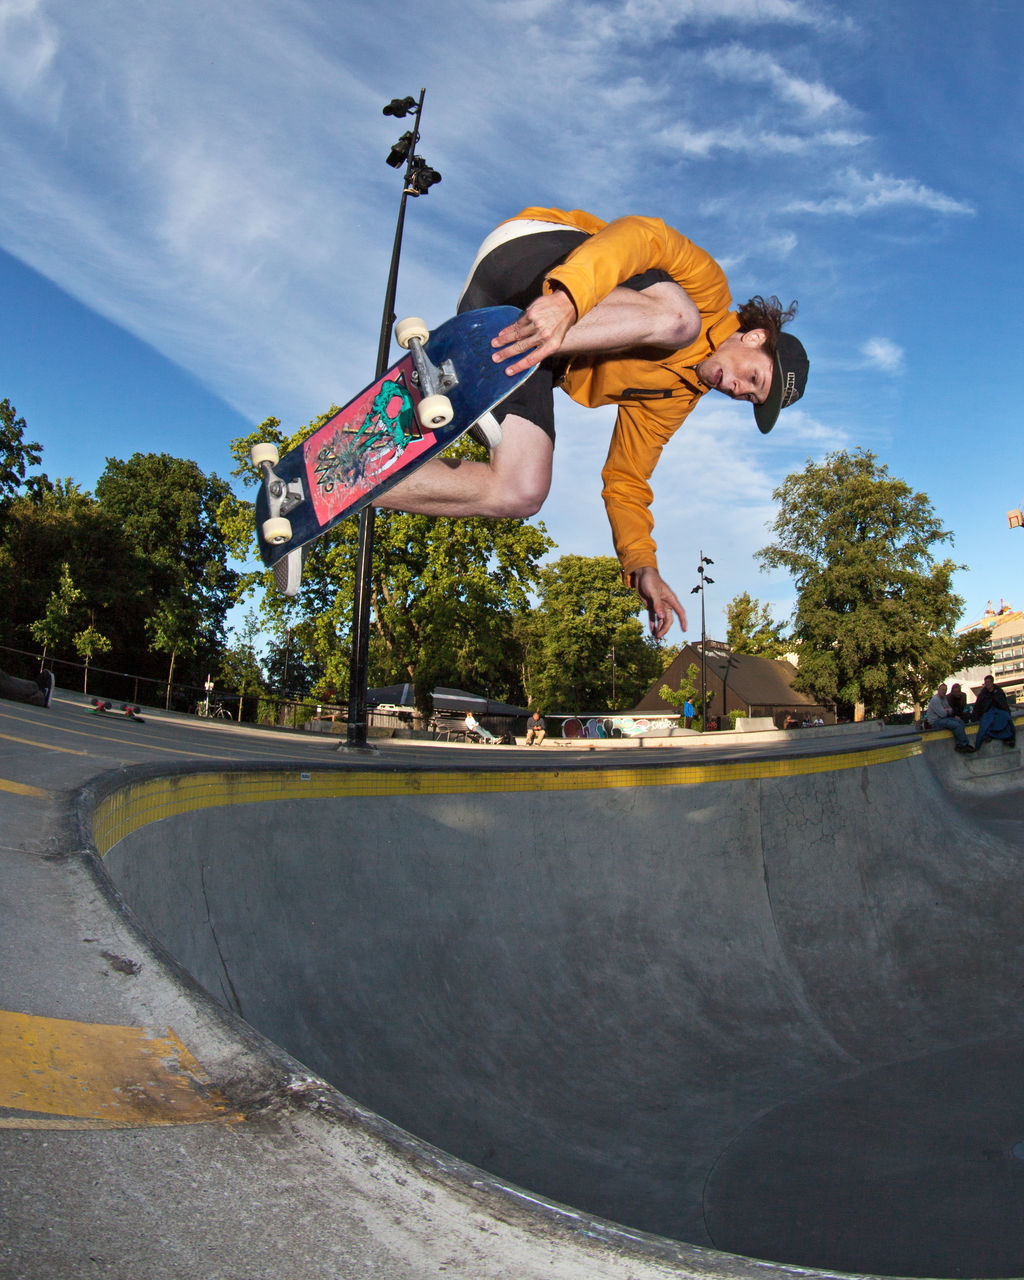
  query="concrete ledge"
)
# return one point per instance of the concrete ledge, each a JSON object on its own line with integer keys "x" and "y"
{"x": 754, "y": 724}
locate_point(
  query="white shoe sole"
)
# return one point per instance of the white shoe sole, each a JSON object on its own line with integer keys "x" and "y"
{"x": 487, "y": 430}
{"x": 288, "y": 573}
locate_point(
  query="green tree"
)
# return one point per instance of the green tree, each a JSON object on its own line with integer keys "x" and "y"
{"x": 88, "y": 643}
{"x": 240, "y": 667}
{"x": 875, "y": 610}
{"x": 56, "y": 628}
{"x": 752, "y": 628}
{"x": 170, "y": 629}
{"x": 446, "y": 593}
{"x": 167, "y": 510}
{"x": 63, "y": 525}
{"x": 289, "y": 674}
{"x": 584, "y": 613}
{"x": 16, "y": 453}
{"x": 689, "y": 691}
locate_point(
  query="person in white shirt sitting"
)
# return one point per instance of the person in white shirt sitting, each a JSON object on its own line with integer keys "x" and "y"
{"x": 939, "y": 715}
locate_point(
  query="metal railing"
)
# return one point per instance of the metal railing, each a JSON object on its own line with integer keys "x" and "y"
{"x": 282, "y": 711}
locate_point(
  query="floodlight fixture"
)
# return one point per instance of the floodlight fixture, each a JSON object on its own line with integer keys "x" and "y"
{"x": 400, "y": 107}
{"x": 400, "y": 151}
{"x": 421, "y": 177}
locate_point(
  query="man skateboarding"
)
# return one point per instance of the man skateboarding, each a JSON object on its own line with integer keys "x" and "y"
{"x": 629, "y": 313}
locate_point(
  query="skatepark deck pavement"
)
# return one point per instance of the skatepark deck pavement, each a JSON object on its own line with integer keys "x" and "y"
{"x": 507, "y": 1013}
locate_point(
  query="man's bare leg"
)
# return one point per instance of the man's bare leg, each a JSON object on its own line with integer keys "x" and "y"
{"x": 513, "y": 482}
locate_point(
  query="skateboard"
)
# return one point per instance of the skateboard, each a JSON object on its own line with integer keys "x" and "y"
{"x": 99, "y": 707}
{"x": 431, "y": 397}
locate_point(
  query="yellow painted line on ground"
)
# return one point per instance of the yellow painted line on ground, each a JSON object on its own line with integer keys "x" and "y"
{"x": 44, "y": 746}
{"x": 136, "y": 805}
{"x": 22, "y": 789}
{"x": 58, "y": 1074}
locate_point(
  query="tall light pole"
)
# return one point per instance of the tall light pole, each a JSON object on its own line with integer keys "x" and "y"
{"x": 704, "y": 580}
{"x": 611, "y": 654}
{"x": 418, "y": 180}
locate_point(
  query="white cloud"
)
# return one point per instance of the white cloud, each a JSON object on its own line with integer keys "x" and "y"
{"x": 882, "y": 354}
{"x": 860, "y": 194}
{"x": 749, "y": 66}
{"x": 28, "y": 46}
{"x": 744, "y": 139}
{"x": 668, "y": 14}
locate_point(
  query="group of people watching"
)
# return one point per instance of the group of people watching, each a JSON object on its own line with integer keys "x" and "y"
{"x": 534, "y": 729}
{"x": 991, "y": 712}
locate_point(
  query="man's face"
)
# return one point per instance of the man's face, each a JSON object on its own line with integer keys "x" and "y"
{"x": 989, "y": 682}
{"x": 740, "y": 368}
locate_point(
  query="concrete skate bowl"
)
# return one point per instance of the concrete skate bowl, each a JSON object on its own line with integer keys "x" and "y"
{"x": 774, "y": 1009}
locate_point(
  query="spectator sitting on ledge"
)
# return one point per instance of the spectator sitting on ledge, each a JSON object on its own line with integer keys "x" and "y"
{"x": 992, "y": 713}
{"x": 939, "y": 715}
{"x": 957, "y": 700}
{"x": 535, "y": 729}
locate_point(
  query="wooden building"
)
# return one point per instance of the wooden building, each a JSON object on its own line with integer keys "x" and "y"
{"x": 740, "y": 682}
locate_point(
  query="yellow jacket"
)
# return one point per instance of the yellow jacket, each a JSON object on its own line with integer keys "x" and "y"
{"x": 654, "y": 391}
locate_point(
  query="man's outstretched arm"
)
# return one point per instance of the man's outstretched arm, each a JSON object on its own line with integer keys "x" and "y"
{"x": 662, "y": 315}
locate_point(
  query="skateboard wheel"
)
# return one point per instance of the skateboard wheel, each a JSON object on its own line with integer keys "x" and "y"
{"x": 277, "y": 530}
{"x": 409, "y": 328}
{"x": 264, "y": 452}
{"x": 434, "y": 411}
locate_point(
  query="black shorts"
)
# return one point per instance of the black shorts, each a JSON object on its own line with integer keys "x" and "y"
{"x": 513, "y": 275}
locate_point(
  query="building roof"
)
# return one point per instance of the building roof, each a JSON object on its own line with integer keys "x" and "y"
{"x": 997, "y": 621}
{"x": 748, "y": 680}
{"x": 404, "y": 695}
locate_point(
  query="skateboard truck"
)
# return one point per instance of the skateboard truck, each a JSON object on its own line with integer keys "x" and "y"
{"x": 434, "y": 409}
{"x": 434, "y": 381}
{"x": 282, "y": 496}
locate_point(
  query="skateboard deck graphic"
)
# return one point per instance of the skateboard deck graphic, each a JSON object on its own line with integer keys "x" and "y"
{"x": 378, "y": 438}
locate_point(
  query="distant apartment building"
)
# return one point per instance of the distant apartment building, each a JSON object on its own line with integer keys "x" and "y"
{"x": 1006, "y": 629}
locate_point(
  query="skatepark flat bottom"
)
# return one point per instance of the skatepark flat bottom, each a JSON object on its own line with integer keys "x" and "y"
{"x": 770, "y": 1008}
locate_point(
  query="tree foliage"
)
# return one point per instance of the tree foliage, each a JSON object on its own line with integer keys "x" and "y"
{"x": 167, "y": 508}
{"x": 145, "y": 555}
{"x": 446, "y": 593}
{"x": 16, "y": 453}
{"x": 875, "y": 614}
{"x": 584, "y": 613}
{"x": 63, "y": 526}
{"x": 56, "y": 627}
{"x": 240, "y": 668}
{"x": 689, "y": 691}
{"x": 90, "y": 643}
{"x": 752, "y": 628}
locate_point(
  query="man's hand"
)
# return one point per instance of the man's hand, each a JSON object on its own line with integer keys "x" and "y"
{"x": 539, "y": 331}
{"x": 660, "y": 599}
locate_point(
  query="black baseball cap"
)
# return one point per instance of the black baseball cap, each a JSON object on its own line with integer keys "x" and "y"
{"x": 788, "y": 381}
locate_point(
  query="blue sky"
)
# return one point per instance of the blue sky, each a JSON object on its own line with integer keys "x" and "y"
{"x": 196, "y": 222}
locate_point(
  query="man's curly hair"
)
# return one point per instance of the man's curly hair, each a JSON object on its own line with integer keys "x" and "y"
{"x": 767, "y": 314}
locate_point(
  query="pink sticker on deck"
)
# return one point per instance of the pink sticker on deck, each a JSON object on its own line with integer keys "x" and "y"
{"x": 363, "y": 444}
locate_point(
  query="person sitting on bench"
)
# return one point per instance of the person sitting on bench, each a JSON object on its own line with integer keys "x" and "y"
{"x": 474, "y": 727}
